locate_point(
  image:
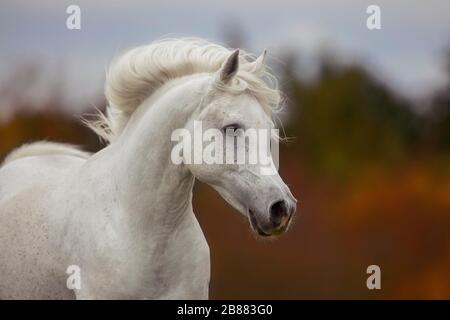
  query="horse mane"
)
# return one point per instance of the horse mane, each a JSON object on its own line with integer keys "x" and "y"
{"x": 137, "y": 74}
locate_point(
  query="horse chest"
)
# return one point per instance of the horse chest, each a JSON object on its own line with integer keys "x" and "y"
{"x": 181, "y": 270}
{"x": 170, "y": 267}
{"x": 183, "y": 274}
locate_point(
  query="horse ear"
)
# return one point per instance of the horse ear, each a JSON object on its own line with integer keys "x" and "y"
{"x": 259, "y": 64}
{"x": 230, "y": 67}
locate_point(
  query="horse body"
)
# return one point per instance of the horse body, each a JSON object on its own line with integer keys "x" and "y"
{"x": 47, "y": 225}
{"x": 124, "y": 215}
{"x": 31, "y": 264}
{"x": 74, "y": 211}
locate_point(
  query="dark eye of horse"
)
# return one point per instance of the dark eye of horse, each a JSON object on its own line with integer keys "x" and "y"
{"x": 231, "y": 128}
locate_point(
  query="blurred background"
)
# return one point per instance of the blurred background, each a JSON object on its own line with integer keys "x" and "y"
{"x": 369, "y": 113}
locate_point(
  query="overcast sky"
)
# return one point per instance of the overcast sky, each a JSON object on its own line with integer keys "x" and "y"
{"x": 407, "y": 52}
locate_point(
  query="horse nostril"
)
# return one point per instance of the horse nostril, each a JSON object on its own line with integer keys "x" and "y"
{"x": 278, "y": 211}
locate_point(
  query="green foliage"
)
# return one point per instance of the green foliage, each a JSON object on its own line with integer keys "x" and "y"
{"x": 347, "y": 120}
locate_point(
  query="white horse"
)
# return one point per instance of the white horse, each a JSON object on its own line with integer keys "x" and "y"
{"x": 124, "y": 214}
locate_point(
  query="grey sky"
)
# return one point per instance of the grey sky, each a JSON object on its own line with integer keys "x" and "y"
{"x": 407, "y": 52}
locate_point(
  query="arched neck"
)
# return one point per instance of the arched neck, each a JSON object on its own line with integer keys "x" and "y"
{"x": 152, "y": 189}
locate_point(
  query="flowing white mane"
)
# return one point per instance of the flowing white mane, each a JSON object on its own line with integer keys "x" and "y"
{"x": 138, "y": 73}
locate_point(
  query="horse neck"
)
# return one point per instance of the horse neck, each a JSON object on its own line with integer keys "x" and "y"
{"x": 154, "y": 192}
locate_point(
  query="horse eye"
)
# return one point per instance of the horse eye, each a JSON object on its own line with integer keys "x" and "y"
{"x": 231, "y": 128}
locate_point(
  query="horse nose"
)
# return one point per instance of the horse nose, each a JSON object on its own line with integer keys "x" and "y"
{"x": 279, "y": 213}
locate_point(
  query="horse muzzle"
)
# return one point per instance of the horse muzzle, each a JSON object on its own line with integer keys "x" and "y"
{"x": 280, "y": 214}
